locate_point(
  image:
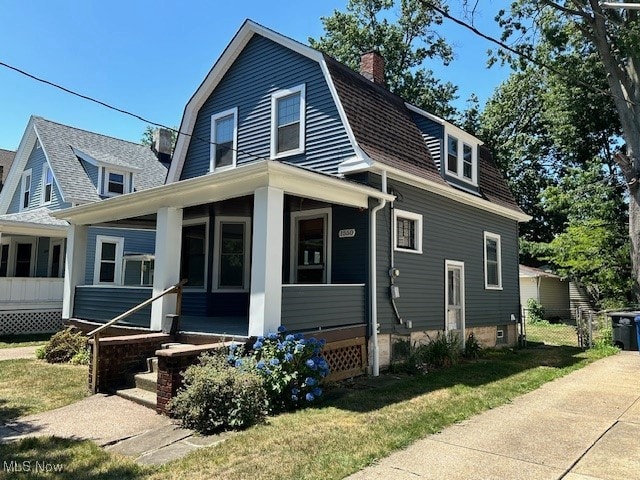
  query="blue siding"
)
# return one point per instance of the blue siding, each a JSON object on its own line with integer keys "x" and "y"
{"x": 36, "y": 163}
{"x": 451, "y": 231}
{"x": 262, "y": 68}
{"x": 433, "y": 134}
{"x": 135, "y": 241}
{"x": 101, "y": 304}
{"x": 92, "y": 172}
{"x": 312, "y": 307}
{"x": 215, "y": 304}
{"x": 42, "y": 257}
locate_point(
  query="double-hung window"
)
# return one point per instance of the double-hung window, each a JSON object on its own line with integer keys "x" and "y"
{"x": 288, "y": 122}
{"x": 108, "y": 260}
{"x": 47, "y": 184}
{"x": 461, "y": 158}
{"x": 25, "y": 191}
{"x": 115, "y": 183}
{"x": 492, "y": 261}
{"x": 407, "y": 231}
{"x": 224, "y": 138}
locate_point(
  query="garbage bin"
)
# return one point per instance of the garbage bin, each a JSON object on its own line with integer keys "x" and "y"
{"x": 625, "y": 329}
{"x": 636, "y": 320}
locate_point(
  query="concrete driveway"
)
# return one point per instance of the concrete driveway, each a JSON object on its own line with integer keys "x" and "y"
{"x": 585, "y": 426}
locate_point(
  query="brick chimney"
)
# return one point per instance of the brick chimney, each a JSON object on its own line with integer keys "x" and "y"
{"x": 162, "y": 145}
{"x": 372, "y": 67}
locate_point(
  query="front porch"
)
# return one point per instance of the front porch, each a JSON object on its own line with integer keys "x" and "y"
{"x": 291, "y": 251}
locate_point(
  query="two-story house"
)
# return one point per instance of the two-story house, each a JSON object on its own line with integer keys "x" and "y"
{"x": 56, "y": 167}
{"x": 304, "y": 194}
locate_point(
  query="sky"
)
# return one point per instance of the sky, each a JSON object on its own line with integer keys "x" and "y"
{"x": 149, "y": 56}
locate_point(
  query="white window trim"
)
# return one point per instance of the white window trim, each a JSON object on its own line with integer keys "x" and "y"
{"x": 463, "y": 139}
{"x": 274, "y": 121}
{"x": 125, "y": 178}
{"x": 24, "y": 188}
{"x": 497, "y": 238}
{"x": 293, "y": 253}
{"x": 52, "y": 243}
{"x": 247, "y": 253}
{"x": 117, "y": 277}
{"x": 13, "y": 252}
{"x": 200, "y": 221}
{"x": 234, "y": 147}
{"x": 410, "y": 216}
{"x": 46, "y": 168}
{"x": 463, "y": 307}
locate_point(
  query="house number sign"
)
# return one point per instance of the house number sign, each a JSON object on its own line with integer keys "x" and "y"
{"x": 347, "y": 233}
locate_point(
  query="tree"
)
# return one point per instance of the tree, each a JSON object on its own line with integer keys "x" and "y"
{"x": 406, "y": 43}
{"x": 613, "y": 36}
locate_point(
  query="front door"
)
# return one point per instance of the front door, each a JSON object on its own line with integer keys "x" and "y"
{"x": 455, "y": 298}
{"x": 310, "y": 255}
{"x": 24, "y": 260}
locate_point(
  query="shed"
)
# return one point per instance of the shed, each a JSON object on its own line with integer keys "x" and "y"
{"x": 550, "y": 290}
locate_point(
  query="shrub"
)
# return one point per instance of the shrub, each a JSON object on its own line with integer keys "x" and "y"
{"x": 64, "y": 345}
{"x": 472, "y": 347}
{"x": 443, "y": 351}
{"x": 535, "y": 311}
{"x": 290, "y": 366}
{"x": 81, "y": 358}
{"x": 40, "y": 353}
{"x": 216, "y": 396}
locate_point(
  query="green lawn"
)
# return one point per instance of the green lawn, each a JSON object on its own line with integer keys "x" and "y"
{"x": 12, "y": 341}
{"x": 32, "y": 386}
{"x": 355, "y": 425}
{"x": 552, "y": 334}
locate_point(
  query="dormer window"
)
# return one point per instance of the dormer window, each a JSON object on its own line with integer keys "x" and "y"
{"x": 224, "y": 138}
{"x": 462, "y": 162}
{"x": 115, "y": 182}
{"x": 288, "y": 122}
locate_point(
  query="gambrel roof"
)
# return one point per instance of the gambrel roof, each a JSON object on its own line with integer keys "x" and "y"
{"x": 379, "y": 125}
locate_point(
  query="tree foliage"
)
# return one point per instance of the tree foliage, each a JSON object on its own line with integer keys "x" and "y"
{"x": 595, "y": 52}
{"x": 402, "y": 31}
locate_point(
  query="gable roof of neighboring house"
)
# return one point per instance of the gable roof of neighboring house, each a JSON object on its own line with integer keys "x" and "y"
{"x": 63, "y": 147}
{"x": 6, "y": 159}
{"x": 532, "y": 272}
{"x": 378, "y": 123}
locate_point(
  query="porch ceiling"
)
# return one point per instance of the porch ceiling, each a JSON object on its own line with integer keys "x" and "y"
{"x": 238, "y": 182}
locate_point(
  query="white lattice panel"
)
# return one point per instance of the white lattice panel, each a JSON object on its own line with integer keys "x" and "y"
{"x": 12, "y": 323}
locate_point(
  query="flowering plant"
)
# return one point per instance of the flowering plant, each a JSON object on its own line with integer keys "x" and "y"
{"x": 290, "y": 365}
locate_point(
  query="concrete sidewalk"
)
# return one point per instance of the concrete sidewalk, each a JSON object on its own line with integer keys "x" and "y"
{"x": 17, "y": 352}
{"x": 585, "y": 426}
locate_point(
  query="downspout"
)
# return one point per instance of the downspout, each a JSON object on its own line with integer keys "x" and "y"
{"x": 373, "y": 284}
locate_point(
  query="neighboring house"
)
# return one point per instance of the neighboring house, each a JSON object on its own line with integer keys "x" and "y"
{"x": 6, "y": 159}
{"x": 306, "y": 195}
{"x": 549, "y": 290}
{"x": 56, "y": 167}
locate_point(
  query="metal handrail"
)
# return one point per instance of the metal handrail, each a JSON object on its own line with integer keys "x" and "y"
{"x": 140, "y": 306}
{"x": 96, "y": 333}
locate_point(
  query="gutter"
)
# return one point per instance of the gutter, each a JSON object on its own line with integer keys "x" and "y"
{"x": 373, "y": 284}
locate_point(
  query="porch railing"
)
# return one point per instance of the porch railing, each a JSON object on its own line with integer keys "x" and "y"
{"x": 95, "y": 334}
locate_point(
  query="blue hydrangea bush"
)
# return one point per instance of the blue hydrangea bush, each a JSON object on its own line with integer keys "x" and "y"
{"x": 291, "y": 367}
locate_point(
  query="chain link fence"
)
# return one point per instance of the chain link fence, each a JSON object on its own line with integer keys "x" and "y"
{"x": 583, "y": 329}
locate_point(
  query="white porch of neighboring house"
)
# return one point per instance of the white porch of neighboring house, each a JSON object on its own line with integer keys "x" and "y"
{"x": 262, "y": 207}
{"x": 32, "y": 250}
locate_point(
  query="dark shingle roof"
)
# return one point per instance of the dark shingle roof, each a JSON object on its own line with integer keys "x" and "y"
{"x": 382, "y": 123}
{"x": 6, "y": 159}
{"x": 493, "y": 186}
{"x": 59, "y": 141}
{"x": 383, "y": 127}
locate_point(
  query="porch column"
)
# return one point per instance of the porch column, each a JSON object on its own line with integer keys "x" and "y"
{"x": 167, "y": 262}
{"x": 266, "y": 266}
{"x": 75, "y": 262}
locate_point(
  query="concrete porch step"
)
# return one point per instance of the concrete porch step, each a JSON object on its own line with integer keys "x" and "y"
{"x": 139, "y": 396}
{"x": 146, "y": 381}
